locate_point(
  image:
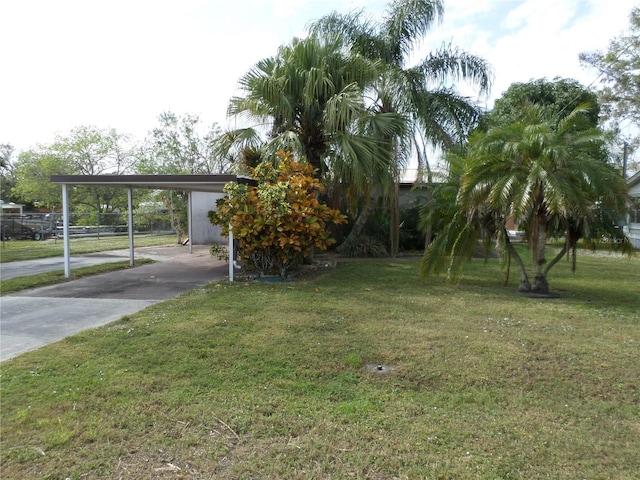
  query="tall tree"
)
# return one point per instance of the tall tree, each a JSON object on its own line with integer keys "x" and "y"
{"x": 557, "y": 97}
{"x": 84, "y": 151}
{"x": 180, "y": 145}
{"x": 33, "y": 171}
{"x": 7, "y": 177}
{"x": 545, "y": 171}
{"x": 619, "y": 77}
{"x": 6, "y": 154}
{"x": 310, "y": 96}
{"x": 422, "y": 93}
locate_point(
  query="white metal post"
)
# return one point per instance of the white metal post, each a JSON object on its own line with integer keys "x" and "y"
{"x": 230, "y": 254}
{"x": 189, "y": 222}
{"x": 65, "y": 230}
{"x": 130, "y": 222}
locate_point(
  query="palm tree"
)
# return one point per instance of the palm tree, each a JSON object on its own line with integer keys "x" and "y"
{"x": 310, "y": 98}
{"x": 545, "y": 173}
{"x": 438, "y": 116}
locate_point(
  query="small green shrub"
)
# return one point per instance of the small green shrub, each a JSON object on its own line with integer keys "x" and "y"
{"x": 411, "y": 237}
{"x": 362, "y": 246}
{"x": 219, "y": 252}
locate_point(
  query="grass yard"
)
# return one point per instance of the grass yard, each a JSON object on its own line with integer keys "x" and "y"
{"x": 14, "y": 250}
{"x": 256, "y": 380}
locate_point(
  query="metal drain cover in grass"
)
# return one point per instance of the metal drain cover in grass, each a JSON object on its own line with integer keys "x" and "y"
{"x": 378, "y": 368}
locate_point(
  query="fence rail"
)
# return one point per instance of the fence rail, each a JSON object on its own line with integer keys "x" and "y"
{"x": 38, "y": 226}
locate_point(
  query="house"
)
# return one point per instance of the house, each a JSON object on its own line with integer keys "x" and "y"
{"x": 632, "y": 228}
{"x": 10, "y": 208}
{"x": 410, "y": 193}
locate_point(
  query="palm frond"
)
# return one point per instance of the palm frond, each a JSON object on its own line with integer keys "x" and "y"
{"x": 452, "y": 64}
{"x": 362, "y": 159}
{"x": 445, "y": 116}
{"x": 288, "y": 141}
{"x": 343, "y": 108}
{"x": 452, "y": 247}
{"x": 407, "y": 22}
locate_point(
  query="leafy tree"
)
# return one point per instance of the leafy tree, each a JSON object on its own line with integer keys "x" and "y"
{"x": 280, "y": 220}
{"x": 7, "y": 177}
{"x": 557, "y": 98}
{"x": 180, "y": 146}
{"x": 547, "y": 173}
{"x": 619, "y": 69}
{"x": 33, "y": 171}
{"x": 421, "y": 93}
{"x": 6, "y": 154}
{"x": 85, "y": 151}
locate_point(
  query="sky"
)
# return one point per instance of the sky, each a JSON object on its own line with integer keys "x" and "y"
{"x": 121, "y": 63}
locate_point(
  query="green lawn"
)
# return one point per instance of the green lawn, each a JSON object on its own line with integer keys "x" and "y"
{"x": 256, "y": 380}
{"x": 14, "y": 250}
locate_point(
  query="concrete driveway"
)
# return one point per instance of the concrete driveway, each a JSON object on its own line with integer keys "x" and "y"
{"x": 41, "y": 265}
{"x": 33, "y": 318}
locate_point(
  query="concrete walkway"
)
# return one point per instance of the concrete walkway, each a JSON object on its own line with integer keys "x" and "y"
{"x": 33, "y": 318}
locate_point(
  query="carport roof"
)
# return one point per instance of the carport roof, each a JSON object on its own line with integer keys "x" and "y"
{"x": 193, "y": 183}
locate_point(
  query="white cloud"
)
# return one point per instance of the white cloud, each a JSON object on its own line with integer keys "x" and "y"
{"x": 530, "y": 39}
{"x": 456, "y": 10}
{"x": 120, "y": 63}
{"x": 545, "y": 16}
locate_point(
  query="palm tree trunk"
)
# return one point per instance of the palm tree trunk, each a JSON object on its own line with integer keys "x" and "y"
{"x": 428, "y": 234}
{"x": 394, "y": 220}
{"x": 540, "y": 284}
{"x": 525, "y": 284}
{"x": 506, "y": 278}
{"x": 428, "y": 237}
{"x": 557, "y": 258}
{"x": 572, "y": 236}
{"x": 361, "y": 220}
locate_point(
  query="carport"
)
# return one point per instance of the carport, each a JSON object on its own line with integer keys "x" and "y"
{"x": 187, "y": 183}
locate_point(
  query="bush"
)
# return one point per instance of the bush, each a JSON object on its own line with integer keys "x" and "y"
{"x": 377, "y": 229}
{"x": 362, "y": 246}
{"x": 411, "y": 237}
{"x": 279, "y": 221}
{"x": 219, "y": 252}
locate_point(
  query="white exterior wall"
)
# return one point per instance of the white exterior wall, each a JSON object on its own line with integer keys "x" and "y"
{"x": 633, "y": 232}
{"x": 633, "y": 229}
{"x": 203, "y": 232}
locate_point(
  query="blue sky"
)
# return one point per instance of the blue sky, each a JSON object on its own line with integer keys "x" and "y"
{"x": 120, "y": 63}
